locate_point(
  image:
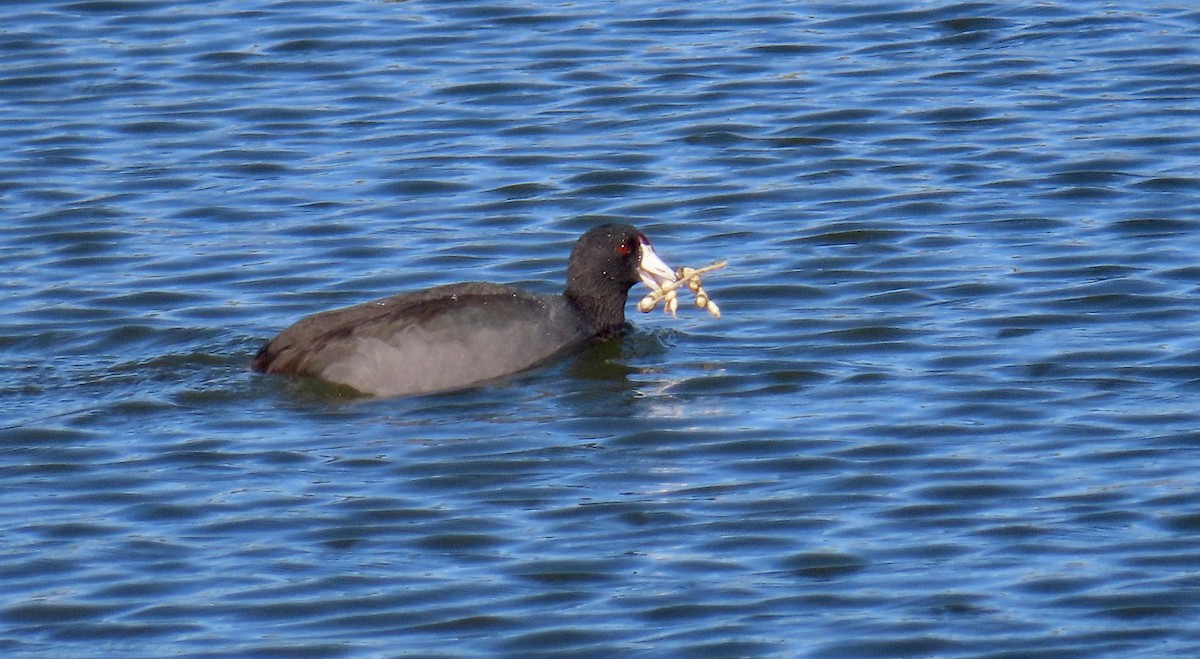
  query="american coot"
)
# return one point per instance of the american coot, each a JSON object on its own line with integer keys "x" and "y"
{"x": 458, "y": 335}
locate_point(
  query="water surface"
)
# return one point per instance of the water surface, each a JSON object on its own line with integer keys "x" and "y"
{"x": 949, "y": 410}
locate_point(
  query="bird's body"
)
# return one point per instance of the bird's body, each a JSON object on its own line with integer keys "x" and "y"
{"x": 433, "y": 335}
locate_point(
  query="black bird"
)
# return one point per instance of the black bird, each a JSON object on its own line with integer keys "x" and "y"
{"x": 458, "y": 335}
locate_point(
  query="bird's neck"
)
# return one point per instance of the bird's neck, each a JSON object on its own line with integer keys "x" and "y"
{"x": 605, "y": 312}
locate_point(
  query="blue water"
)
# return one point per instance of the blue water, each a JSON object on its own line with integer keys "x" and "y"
{"x": 949, "y": 410}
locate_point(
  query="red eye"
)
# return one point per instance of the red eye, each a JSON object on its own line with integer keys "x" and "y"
{"x": 624, "y": 249}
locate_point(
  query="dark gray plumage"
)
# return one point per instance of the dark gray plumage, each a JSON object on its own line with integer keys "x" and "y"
{"x": 458, "y": 335}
